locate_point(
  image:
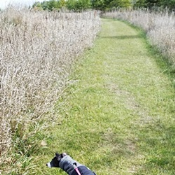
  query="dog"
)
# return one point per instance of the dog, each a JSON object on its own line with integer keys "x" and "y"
{"x": 69, "y": 165}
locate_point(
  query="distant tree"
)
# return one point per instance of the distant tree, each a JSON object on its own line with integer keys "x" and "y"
{"x": 168, "y": 3}
{"x": 47, "y": 5}
{"x": 62, "y": 3}
{"x": 78, "y": 5}
{"x": 172, "y": 4}
{"x": 83, "y": 4}
{"x": 44, "y": 5}
{"x": 107, "y": 3}
{"x": 127, "y": 3}
{"x": 37, "y": 6}
{"x": 120, "y": 3}
{"x": 71, "y": 4}
{"x": 53, "y": 4}
{"x": 152, "y": 3}
{"x": 139, "y": 3}
{"x": 97, "y": 4}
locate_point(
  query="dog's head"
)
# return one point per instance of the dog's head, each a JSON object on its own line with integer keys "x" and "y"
{"x": 56, "y": 160}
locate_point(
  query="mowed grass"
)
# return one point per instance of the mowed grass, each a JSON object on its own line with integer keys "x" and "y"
{"x": 117, "y": 115}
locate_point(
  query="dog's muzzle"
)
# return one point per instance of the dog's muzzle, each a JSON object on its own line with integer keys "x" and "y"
{"x": 48, "y": 165}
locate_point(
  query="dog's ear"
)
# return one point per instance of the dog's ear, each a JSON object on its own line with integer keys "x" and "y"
{"x": 58, "y": 156}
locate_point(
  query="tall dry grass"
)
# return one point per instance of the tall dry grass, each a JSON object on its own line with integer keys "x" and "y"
{"x": 37, "y": 50}
{"x": 159, "y": 27}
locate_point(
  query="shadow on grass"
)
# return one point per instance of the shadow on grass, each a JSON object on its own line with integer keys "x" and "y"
{"x": 121, "y": 37}
{"x": 163, "y": 62}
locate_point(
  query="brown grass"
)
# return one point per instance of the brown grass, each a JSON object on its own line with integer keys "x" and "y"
{"x": 37, "y": 50}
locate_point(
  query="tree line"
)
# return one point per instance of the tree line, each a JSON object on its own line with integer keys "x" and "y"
{"x": 169, "y": 4}
{"x": 103, "y": 5}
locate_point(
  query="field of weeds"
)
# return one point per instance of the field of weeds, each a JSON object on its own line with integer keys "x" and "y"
{"x": 118, "y": 115}
{"x": 37, "y": 50}
{"x": 159, "y": 27}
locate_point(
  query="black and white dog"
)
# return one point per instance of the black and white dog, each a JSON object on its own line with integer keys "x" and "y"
{"x": 69, "y": 165}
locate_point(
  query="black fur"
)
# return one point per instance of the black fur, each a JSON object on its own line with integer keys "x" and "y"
{"x": 56, "y": 160}
{"x": 69, "y": 165}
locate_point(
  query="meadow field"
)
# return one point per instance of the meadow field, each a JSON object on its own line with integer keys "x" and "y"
{"x": 37, "y": 50}
{"x": 92, "y": 87}
{"x": 117, "y": 115}
{"x": 158, "y": 25}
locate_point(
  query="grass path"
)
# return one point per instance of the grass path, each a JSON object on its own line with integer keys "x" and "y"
{"x": 118, "y": 114}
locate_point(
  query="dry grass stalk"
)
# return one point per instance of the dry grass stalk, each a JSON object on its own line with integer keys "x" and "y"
{"x": 36, "y": 53}
{"x": 159, "y": 27}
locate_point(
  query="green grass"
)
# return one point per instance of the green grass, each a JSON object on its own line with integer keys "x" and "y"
{"x": 117, "y": 114}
